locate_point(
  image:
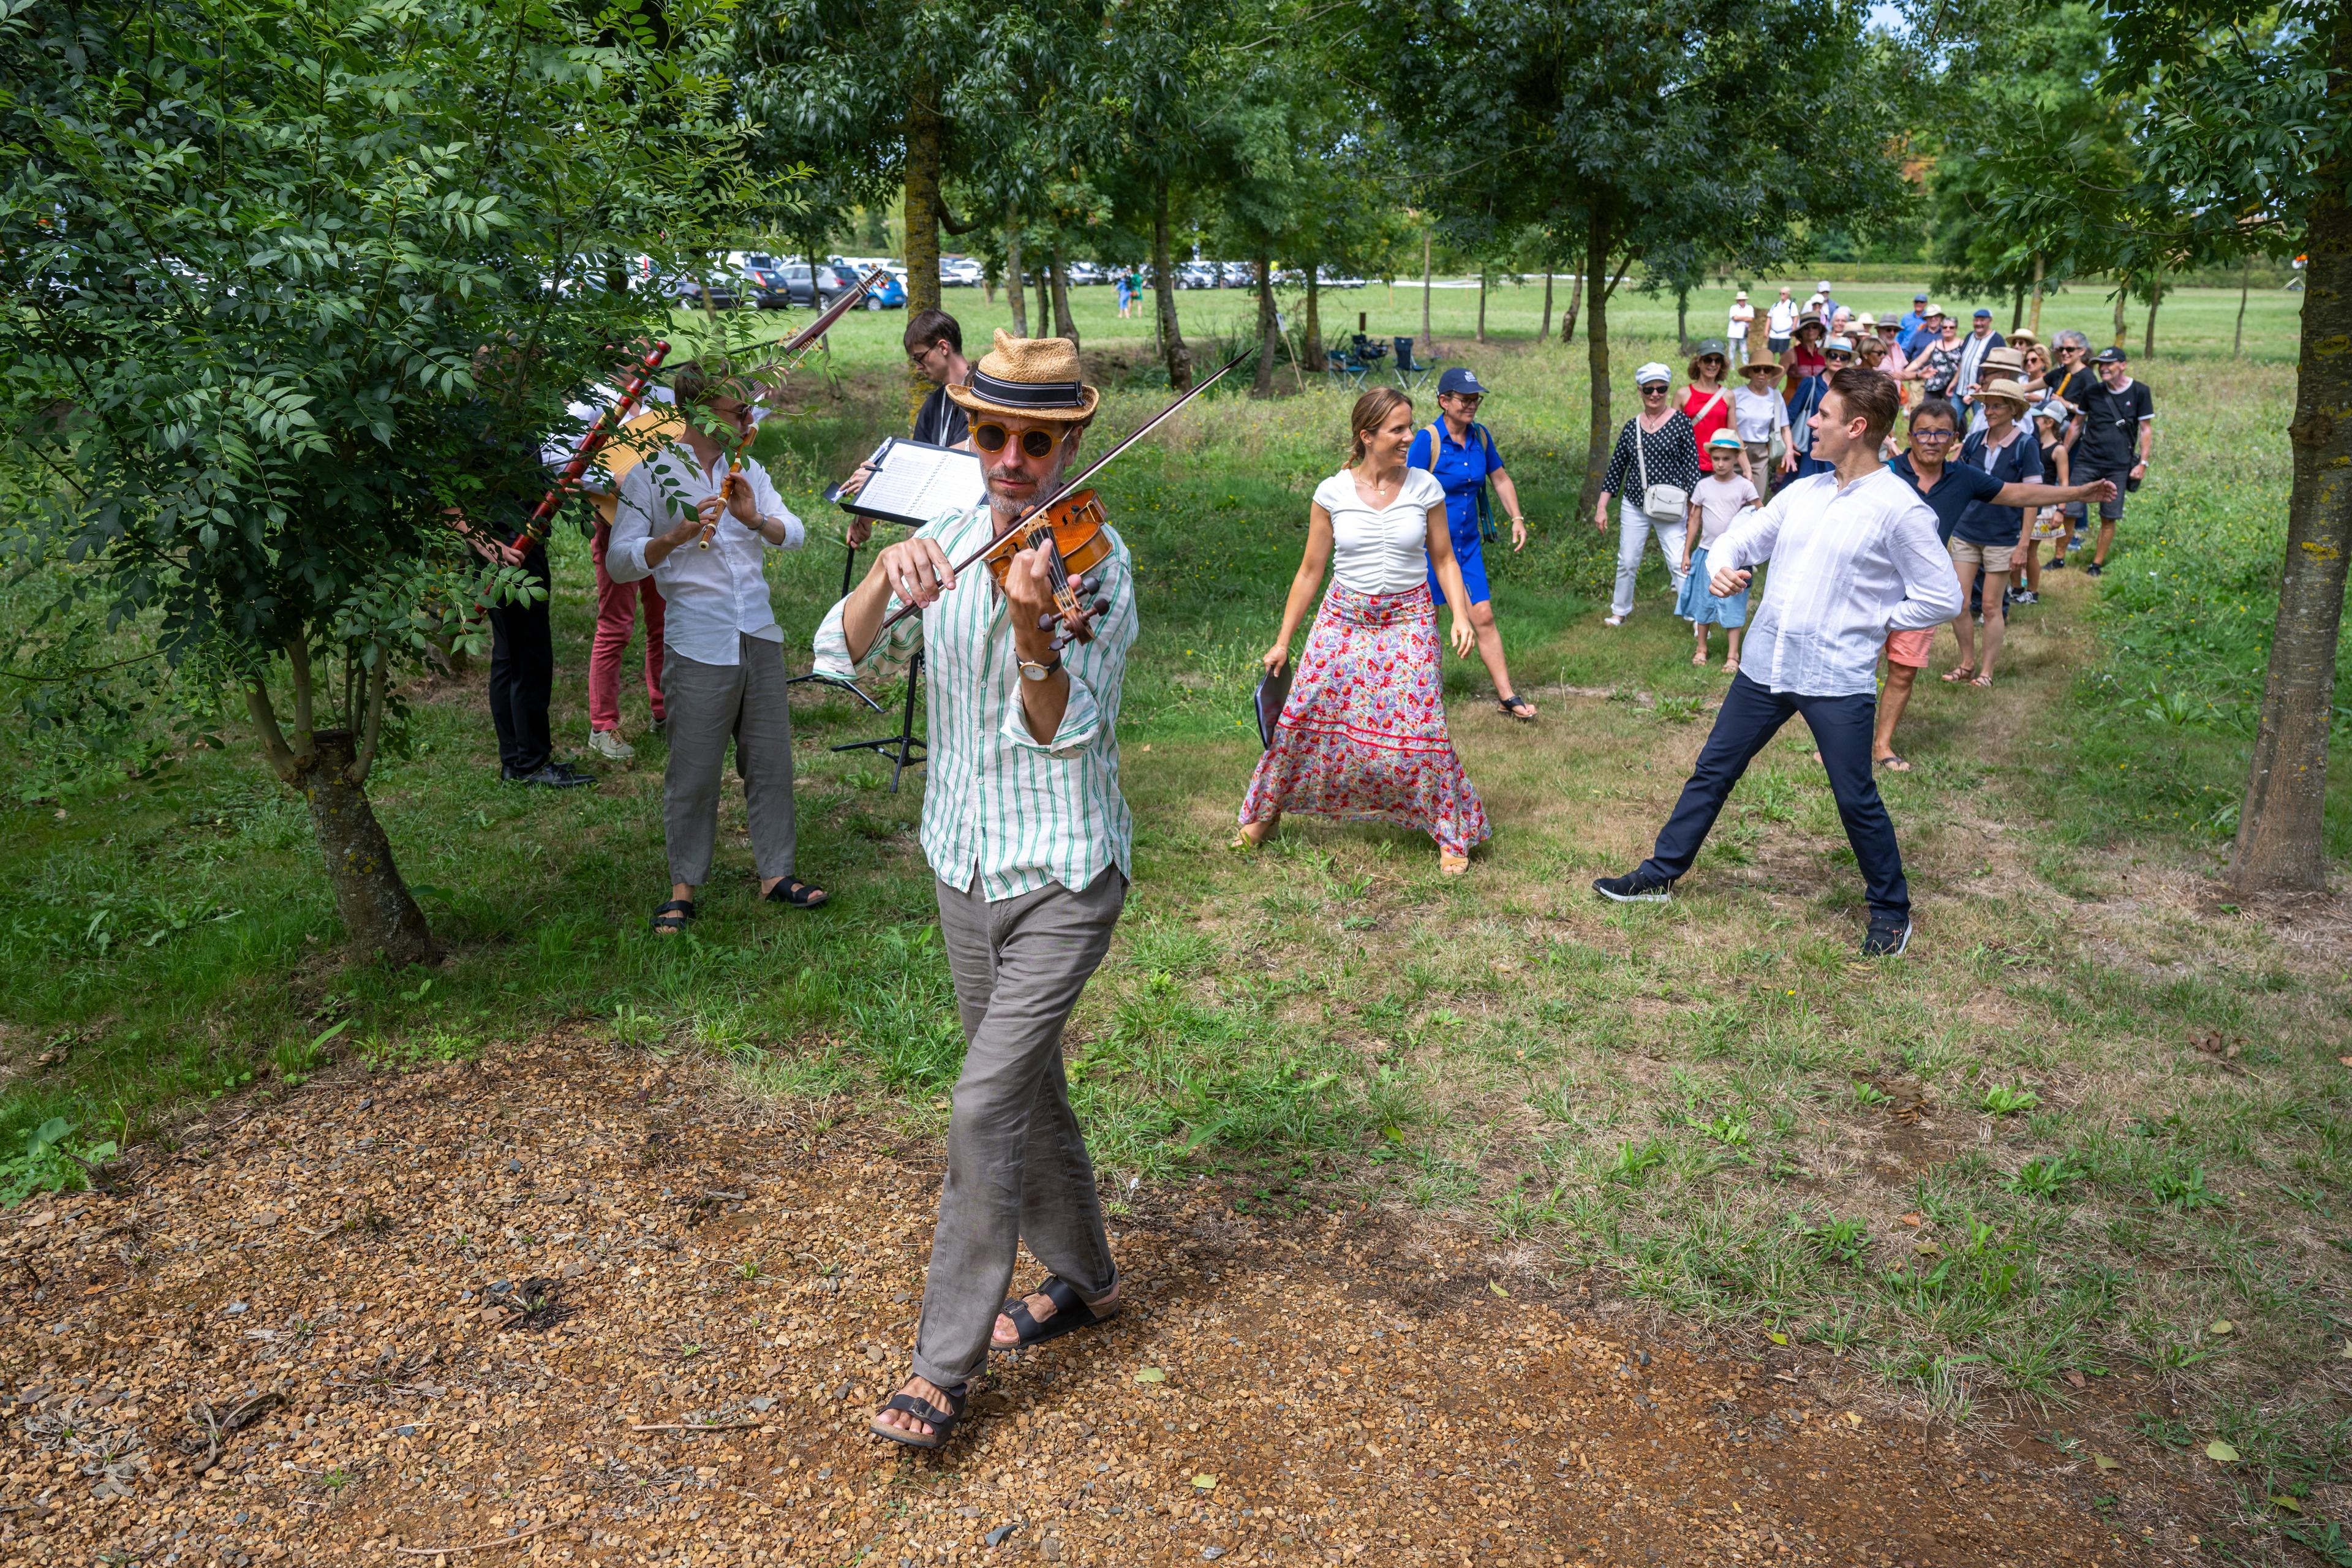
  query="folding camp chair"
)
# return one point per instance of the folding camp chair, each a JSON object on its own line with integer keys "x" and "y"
{"x": 1410, "y": 372}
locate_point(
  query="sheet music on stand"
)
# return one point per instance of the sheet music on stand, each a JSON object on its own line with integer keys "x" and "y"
{"x": 914, "y": 481}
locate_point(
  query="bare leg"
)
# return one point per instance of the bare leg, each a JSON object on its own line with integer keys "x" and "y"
{"x": 1891, "y": 704}
{"x": 1731, "y": 659}
{"x": 1698, "y": 652}
{"x": 2107, "y": 538}
{"x": 1964, "y": 628}
{"x": 1490, "y": 646}
{"x": 2034, "y": 566}
{"x": 1995, "y": 582}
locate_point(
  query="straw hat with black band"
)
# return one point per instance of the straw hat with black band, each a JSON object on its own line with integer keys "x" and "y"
{"x": 1029, "y": 378}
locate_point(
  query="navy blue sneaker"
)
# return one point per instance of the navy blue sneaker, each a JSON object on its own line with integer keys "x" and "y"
{"x": 1636, "y": 887}
{"x": 1887, "y": 937}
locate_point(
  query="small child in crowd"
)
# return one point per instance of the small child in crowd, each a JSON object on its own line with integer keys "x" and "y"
{"x": 2049, "y": 523}
{"x": 1717, "y": 497}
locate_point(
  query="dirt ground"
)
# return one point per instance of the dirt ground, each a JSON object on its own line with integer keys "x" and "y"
{"x": 573, "y": 1305}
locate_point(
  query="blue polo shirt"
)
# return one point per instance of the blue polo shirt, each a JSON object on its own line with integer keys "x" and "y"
{"x": 1912, "y": 322}
{"x": 1462, "y": 472}
{"x": 1962, "y": 486}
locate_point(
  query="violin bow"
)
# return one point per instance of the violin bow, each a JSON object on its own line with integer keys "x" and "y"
{"x": 607, "y": 423}
{"x": 1072, "y": 487}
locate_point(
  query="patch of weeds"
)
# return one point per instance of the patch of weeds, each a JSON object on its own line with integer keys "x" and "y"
{"x": 2183, "y": 1190}
{"x": 1840, "y": 1240}
{"x": 1632, "y": 1163}
{"x": 2045, "y": 1176}
{"x": 2008, "y": 1099}
{"x": 1866, "y": 1094}
{"x": 1679, "y": 709}
{"x": 51, "y": 1163}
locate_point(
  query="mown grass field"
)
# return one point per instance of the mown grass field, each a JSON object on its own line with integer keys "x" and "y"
{"x": 2094, "y": 1123}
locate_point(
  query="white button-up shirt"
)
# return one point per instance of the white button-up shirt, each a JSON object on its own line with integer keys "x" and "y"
{"x": 715, "y": 597}
{"x": 1849, "y": 565}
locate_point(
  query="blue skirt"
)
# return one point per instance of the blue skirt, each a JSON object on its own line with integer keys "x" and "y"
{"x": 1701, "y": 607}
{"x": 1472, "y": 559}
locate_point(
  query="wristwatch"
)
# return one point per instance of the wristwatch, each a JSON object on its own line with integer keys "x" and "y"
{"x": 1039, "y": 672}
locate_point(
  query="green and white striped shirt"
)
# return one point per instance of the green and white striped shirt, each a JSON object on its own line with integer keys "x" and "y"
{"x": 998, "y": 802}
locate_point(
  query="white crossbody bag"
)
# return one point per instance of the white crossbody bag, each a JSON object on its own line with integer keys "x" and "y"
{"x": 1659, "y": 503}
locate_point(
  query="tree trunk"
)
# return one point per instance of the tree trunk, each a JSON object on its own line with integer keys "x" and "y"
{"x": 1178, "y": 357}
{"x": 1268, "y": 331}
{"x": 2122, "y": 332}
{"x": 1045, "y": 293}
{"x": 2245, "y": 282}
{"x": 1427, "y": 337}
{"x": 1543, "y": 333}
{"x": 1575, "y": 300}
{"x": 2016, "y": 309}
{"x": 1016, "y": 292}
{"x": 1064, "y": 325}
{"x": 1482, "y": 302}
{"x": 1682, "y": 321}
{"x": 1603, "y": 432}
{"x": 1315, "y": 360}
{"x": 924, "y": 133}
{"x": 380, "y": 917}
{"x": 2155, "y": 298}
{"x": 2039, "y": 264}
{"x": 2280, "y": 840}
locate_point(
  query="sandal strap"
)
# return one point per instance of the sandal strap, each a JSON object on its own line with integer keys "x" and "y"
{"x": 924, "y": 1410}
{"x": 1023, "y": 1323}
{"x": 1064, "y": 1295}
{"x": 676, "y": 907}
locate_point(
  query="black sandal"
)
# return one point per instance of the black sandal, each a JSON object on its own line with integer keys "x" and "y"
{"x": 1518, "y": 707}
{"x": 672, "y": 916}
{"x": 941, "y": 1422}
{"x": 1071, "y": 1313}
{"x": 793, "y": 891}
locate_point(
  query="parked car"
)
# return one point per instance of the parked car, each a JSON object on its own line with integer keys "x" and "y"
{"x": 1081, "y": 273}
{"x": 685, "y": 293}
{"x": 1195, "y": 275}
{"x": 961, "y": 272}
{"x": 812, "y": 292}
{"x": 888, "y": 294}
{"x": 764, "y": 282}
{"x": 1238, "y": 274}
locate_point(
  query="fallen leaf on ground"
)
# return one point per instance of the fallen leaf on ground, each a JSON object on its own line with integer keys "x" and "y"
{"x": 2220, "y": 1326}
{"x": 1854, "y": 1418}
{"x": 2104, "y": 1463}
{"x": 2287, "y": 1503}
{"x": 2075, "y": 1379}
{"x": 2221, "y": 1452}
{"x": 1776, "y": 1339}
{"x": 1497, "y": 1287}
{"x": 1206, "y": 1483}
{"x": 1912, "y": 1219}
{"x": 1150, "y": 1374}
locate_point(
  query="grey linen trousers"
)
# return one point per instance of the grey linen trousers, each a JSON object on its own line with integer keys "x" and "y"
{"x": 711, "y": 704}
{"x": 1018, "y": 1165}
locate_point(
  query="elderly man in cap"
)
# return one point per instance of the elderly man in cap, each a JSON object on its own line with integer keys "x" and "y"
{"x": 1460, "y": 452}
{"x": 1915, "y": 315}
{"x": 1743, "y": 316}
{"x": 1030, "y": 841}
{"x": 1981, "y": 340}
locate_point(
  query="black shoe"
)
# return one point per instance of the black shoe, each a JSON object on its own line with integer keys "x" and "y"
{"x": 1636, "y": 887}
{"x": 553, "y": 776}
{"x": 1887, "y": 937}
{"x": 2057, "y": 565}
{"x": 2094, "y": 570}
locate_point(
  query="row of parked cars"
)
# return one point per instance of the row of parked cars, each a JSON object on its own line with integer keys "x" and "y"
{"x": 774, "y": 283}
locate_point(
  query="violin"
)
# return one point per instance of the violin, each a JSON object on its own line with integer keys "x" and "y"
{"x": 1079, "y": 532}
{"x": 1072, "y": 518}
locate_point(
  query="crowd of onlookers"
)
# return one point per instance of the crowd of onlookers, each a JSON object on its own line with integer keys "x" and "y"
{"x": 1994, "y": 426}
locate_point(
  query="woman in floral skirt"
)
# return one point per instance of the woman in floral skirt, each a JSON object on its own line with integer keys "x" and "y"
{"x": 1362, "y": 737}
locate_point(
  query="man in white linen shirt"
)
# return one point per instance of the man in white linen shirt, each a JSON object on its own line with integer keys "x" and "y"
{"x": 702, "y": 533}
{"x": 1854, "y": 556}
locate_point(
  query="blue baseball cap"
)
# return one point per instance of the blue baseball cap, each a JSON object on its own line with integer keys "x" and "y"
{"x": 1983, "y": 314}
{"x": 1460, "y": 382}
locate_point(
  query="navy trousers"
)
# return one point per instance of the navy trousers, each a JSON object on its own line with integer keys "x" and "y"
{"x": 523, "y": 676}
{"x": 1751, "y": 715}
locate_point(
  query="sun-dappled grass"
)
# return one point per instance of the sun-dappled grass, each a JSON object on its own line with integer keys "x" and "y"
{"x": 2089, "y": 1117}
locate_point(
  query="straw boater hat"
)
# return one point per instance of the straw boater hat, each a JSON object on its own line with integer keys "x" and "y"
{"x": 1029, "y": 378}
{"x": 2008, "y": 391}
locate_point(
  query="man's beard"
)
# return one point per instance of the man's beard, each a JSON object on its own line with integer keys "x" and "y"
{"x": 1007, "y": 508}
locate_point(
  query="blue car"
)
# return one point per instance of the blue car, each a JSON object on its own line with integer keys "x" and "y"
{"x": 888, "y": 294}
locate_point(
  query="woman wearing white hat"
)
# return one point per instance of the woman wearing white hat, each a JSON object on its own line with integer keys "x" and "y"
{"x": 1654, "y": 468}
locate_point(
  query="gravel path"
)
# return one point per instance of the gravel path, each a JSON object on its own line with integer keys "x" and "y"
{"x": 570, "y": 1307}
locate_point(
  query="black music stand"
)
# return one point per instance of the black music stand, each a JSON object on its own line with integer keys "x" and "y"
{"x": 905, "y": 749}
{"x": 848, "y": 578}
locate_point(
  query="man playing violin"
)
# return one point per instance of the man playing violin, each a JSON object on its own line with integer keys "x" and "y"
{"x": 1030, "y": 841}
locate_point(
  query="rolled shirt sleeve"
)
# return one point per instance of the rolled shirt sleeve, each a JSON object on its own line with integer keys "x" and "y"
{"x": 632, "y": 528}
{"x": 1100, "y": 663}
{"x": 1931, "y": 589}
{"x": 770, "y": 504}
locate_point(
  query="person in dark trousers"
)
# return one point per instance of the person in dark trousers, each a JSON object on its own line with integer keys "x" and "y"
{"x": 2118, "y": 424}
{"x": 522, "y": 666}
{"x": 1854, "y": 556}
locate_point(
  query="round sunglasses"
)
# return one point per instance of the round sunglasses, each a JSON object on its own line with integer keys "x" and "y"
{"x": 992, "y": 437}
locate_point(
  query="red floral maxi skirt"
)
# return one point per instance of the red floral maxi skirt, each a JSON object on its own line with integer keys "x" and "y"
{"x": 1362, "y": 737}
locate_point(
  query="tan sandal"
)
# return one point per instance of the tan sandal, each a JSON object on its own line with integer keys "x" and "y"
{"x": 1959, "y": 673}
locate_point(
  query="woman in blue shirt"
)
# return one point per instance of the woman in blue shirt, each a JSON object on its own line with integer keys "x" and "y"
{"x": 1461, "y": 454}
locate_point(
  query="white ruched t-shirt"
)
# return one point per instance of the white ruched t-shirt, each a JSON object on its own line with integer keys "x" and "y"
{"x": 1383, "y": 550}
